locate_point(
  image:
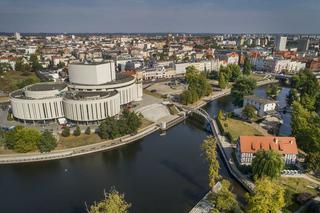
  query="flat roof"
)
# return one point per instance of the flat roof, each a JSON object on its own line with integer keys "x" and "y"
{"x": 120, "y": 78}
{"x": 46, "y": 86}
{"x": 259, "y": 99}
{"x": 83, "y": 95}
{"x": 92, "y": 63}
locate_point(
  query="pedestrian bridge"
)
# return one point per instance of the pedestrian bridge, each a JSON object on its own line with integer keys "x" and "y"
{"x": 223, "y": 145}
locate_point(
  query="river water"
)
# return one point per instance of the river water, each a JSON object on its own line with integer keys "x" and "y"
{"x": 157, "y": 174}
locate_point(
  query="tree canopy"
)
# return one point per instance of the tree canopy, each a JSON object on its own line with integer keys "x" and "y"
{"x": 128, "y": 123}
{"x": 47, "y": 142}
{"x": 198, "y": 86}
{"x": 113, "y": 202}
{"x": 22, "y": 139}
{"x": 267, "y": 163}
{"x": 231, "y": 72}
{"x": 306, "y": 128}
{"x": 247, "y": 67}
{"x": 272, "y": 91}
{"x": 209, "y": 150}
{"x": 224, "y": 200}
{"x": 249, "y": 112}
{"x": 268, "y": 197}
{"x": 242, "y": 87}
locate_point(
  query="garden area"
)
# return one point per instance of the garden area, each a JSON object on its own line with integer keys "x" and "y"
{"x": 233, "y": 128}
{"x": 13, "y": 80}
{"x": 293, "y": 187}
{"x": 76, "y": 141}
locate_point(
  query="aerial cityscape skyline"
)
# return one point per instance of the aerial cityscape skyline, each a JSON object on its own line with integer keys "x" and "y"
{"x": 133, "y": 106}
{"x": 231, "y": 16}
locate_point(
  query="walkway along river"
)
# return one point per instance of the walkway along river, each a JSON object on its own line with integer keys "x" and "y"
{"x": 157, "y": 174}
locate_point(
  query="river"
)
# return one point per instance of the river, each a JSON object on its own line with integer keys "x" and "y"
{"x": 157, "y": 173}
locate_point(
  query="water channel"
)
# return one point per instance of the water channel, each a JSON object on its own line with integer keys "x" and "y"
{"x": 157, "y": 174}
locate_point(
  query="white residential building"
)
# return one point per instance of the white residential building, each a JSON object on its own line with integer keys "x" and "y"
{"x": 262, "y": 105}
{"x": 280, "y": 43}
{"x": 201, "y": 66}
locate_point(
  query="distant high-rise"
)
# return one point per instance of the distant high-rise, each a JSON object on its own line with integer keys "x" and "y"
{"x": 17, "y": 35}
{"x": 280, "y": 43}
{"x": 303, "y": 44}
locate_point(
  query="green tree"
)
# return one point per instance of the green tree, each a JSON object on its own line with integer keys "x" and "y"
{"x": 61, "y": 65}
{"x": 247, "y": 67}
{"x": 268, "y": 197}
{"x": 249, "y": 112}
{"x": 35, "y": 62}
{"x": 306, "y": 128}
{"x": 224, "y": 200}
{"x": 242, "y": 87}
{"x": 77, "y": 131}
{"x": 198, "y": 86}
{"x": 47, "y": 142}
{"x": 5, "y": 67}
{"x": 308, "y": 102}
{"x": 306, "y": 83}
{"x": 235, "y": 71}
{"x": 267, "y": 163}
{"x": 132, "y": 121}
{"x": 108, "y": 129}
{"x": 221, "y": 115}
{"x": 21, "y": 66}
{"x": 11, "y": 137}
{"x": 65, "y": 132}
{"x": 272, "y": 91}
{"x": 222, "y": 80}
{"x": 88, "y": 131}
{"x": 312, "y": 161}
{"x": 292, "y": 96}
{"x": 209, "y": 150}
{"x": 113, "y": 202}
{"x": 27, "y": 140}
{"x": 26, "y": 82}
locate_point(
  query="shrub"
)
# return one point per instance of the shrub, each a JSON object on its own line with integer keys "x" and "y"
{"x": 66, "y": 132}
{"x": 77, "y": 131}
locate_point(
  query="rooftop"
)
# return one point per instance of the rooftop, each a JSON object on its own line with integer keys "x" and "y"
{"x": 283, "y": 145}
{"x": 120, "y": 78}
{"x": 92, "y": 63}
{"x": 46, "y": 86}
{"x": 259, "y": 99}
{"x": 81, "y": 95}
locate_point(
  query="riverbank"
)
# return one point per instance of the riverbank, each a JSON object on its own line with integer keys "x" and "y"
{"x": 107, "y": 145}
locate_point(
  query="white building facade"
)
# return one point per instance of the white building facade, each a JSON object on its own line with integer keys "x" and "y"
{"x": 92, "y": 93}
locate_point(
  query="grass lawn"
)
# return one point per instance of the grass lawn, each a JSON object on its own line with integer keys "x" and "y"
{"x": 75, "y": 141}
{"x": 294, "y": 186}
{"x": 234, "y": 128}
{"x": 257, "y": 77}
{"x": 154, "y": 94}
{"x": 84, "y": 139}
{"x": 10, "y": 79}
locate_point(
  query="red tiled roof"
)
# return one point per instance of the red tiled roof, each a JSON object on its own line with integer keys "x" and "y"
{"x": 283, "y": 145}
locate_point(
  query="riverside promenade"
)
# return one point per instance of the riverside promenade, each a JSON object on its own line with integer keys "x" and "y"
{"x": 88, "y": 149}
{"x": 106, "y": 145}
{"x": 77, "y": 151}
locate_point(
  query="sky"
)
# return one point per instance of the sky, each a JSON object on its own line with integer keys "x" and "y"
{"x": 193, "y": 16}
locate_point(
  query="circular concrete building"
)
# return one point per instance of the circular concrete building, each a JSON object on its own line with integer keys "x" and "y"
{"x": 92, "y": 93}
{"x": 91, "y": 106}
{"x": 38, "y": 102}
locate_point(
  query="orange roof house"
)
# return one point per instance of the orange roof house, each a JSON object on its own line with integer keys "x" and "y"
{"x": 248, "y": 145}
